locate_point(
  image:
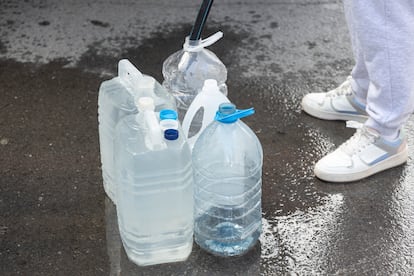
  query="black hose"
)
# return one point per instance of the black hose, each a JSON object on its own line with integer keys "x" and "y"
{"x": 197, "y": 29}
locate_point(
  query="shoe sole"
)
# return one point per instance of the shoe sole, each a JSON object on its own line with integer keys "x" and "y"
{"x": 333, "y": 116}
{"x": 394, "y": 161}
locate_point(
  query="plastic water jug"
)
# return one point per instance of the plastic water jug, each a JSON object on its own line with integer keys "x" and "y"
{"x": 186, "y": 70}
{"x": 208, "y": 101}
{"x": 116, "y": 100}
{"x": 155, "y": 188}
{"x": 227, "y": 163}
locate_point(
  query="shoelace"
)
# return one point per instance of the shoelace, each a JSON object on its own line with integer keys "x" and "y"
{"x": 360, "y": 140}
{"x": 343, "y": 89}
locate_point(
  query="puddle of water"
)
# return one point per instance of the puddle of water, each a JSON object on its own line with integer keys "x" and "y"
{"x": 306, "y": 238}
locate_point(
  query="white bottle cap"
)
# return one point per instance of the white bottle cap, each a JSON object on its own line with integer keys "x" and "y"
{"x": 168, "y": 124}
{"x": 210, "y": 85}
{"x": 147, "y": 82}
{"x": 145, "y": 103}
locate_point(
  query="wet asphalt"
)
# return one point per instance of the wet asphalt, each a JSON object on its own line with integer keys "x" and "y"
{"x": 54, "y": 216}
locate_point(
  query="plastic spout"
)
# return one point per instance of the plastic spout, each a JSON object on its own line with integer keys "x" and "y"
{"x": 129, "y": 74}
{"x": 153, "y": 139}
{"x": 228, "y": 113}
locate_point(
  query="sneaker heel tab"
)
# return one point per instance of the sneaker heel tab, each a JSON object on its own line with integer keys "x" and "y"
{"x": 354, "y": 124}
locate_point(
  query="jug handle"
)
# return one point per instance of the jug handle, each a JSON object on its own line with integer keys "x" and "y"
{"x": 188, "y": 119}
{"x": 194, "y": 108}
{"x": 128, "y": 72}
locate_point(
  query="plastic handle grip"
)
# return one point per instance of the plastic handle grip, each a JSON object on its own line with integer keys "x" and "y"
{"x": 128, "y": 72}
{"x": 154, "y": 130}
{"x": 210, "y": 103}
{"x": 189, "y": 115}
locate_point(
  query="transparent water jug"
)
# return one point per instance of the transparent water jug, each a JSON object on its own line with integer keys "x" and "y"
{"x": 116, "y": 100}
{"x": 186, "y": 70}
{"x": 155, "y": 189}
{"x": 227, "y": 163}
{"x": 208, "y": 102}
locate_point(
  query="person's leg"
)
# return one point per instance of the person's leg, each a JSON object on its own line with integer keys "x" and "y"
{"x": 346, "y": 102}
{"x": 385, "y": 31}
{"x": 360, "y": 79}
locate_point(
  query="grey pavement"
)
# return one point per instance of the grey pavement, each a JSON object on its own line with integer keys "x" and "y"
{"x": 54, "y": 216}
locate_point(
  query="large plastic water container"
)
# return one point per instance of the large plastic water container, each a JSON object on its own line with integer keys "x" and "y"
{"x": 116, "y": 100}
{"x": 208, "y": 102}
{"x": 155, "y": 189}
{"x": 227, "y": 163}
{"x": 186, "y": 70}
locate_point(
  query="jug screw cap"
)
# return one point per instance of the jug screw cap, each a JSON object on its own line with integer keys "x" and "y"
{"x": 168, "y": 124}
{"x": 171, "y": 134}
{"x": 227, "y": 108}
{"x": 210, "y": 86}
{"x": 168, "y": 114}
{"x": 228, "y": 113}
{"x": 145, "y": 103}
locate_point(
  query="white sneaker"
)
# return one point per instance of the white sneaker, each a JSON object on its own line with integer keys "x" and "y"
{"x": 337, "y": 104}
{"x": 364, "y": 154}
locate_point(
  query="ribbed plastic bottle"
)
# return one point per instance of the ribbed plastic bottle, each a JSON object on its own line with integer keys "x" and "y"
{"x": 155, "y": 188}
{"x": 186, "y": 70}
{"x": 227, "y": 163}
{"x": 208, "y": 101}
{"x": 116, "y": 100}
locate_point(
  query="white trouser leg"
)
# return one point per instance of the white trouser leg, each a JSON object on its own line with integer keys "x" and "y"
{"x": 385, "y": 32}
{"x": 360, "y": 79}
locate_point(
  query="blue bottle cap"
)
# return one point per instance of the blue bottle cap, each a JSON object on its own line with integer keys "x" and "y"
{"x": 227, "y": 108}
{"x": 228, "y": 113}
{"x": 171, "y": 134}
{"x": 168, "y": 114}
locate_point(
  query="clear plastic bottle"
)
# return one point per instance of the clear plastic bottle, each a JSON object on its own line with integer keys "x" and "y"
{"x": 186, "y": 70}
{"x": 116, "y": 100}
{"x": 208, "y": 100}
{"x": 155, "y": 189}
{"x": 227, "y": 163}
